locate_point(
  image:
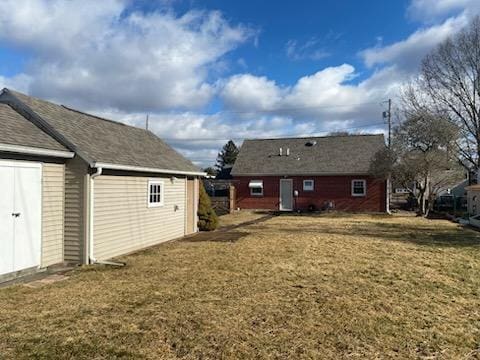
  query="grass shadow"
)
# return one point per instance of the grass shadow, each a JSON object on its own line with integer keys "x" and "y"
{"x": 216, "y": 236}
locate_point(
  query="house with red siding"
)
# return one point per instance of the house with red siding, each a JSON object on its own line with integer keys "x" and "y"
{"x": 314, "y": 173}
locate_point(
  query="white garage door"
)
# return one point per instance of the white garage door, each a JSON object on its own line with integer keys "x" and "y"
{"x": 20, "y": 215}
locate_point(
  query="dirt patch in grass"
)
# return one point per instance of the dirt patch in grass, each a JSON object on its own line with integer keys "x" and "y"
{"x": 329, "y": 286}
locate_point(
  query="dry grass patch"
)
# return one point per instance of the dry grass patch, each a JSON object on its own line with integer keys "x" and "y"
{"x": 335, "y": 286}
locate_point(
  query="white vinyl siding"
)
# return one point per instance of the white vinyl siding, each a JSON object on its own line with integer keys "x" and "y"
{"x": 124, "y": 223}
{"x": 53, "y": 195}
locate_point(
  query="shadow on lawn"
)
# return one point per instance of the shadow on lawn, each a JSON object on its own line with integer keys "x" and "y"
{"x": 227, "y": 233}
{"x": 217, "y": 236}
{"x": 422, "y": 235}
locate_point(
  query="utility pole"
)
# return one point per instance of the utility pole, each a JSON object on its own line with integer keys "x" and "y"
{"x": 389, "y": 123}
{"x": 387, "y": 115}
{"x": 146, "y": 122}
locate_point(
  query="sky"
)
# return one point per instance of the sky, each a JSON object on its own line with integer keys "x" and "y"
{"x": 213, "y": 70}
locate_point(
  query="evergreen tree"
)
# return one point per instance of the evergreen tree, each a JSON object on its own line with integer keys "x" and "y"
{"x": 227, "y": 156}
{"x": 207, "y": 218}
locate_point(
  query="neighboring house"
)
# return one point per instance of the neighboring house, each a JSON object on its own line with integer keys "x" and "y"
{"x": 473, "y": 200}
{"x": 457, "y": 189}
{"x": 452, "y": 196}
{"x": 82, "y": 189}
{"x": 330, "y": 172}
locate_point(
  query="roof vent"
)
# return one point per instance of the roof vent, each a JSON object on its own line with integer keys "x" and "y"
{"x": 311, "y": 143}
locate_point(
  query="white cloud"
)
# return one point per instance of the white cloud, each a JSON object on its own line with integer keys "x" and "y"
{"x": 246, "y": 91}
{"x": 325, "y": 87}
{"x": 95, "y": 53}
{"x": 20, "y": 82}
{"x": 325, "y": 96}
{"x": 407, "y": 54}
{"x": 430, "y": 10}
{"x": 309, "y": 50}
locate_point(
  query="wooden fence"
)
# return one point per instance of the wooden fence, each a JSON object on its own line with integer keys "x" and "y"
{"x": 224, "y": 204}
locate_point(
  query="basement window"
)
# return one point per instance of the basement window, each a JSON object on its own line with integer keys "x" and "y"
{"x": 256, "y": 187}
{"x": 155, "y": 193}
{"x": 359, "y": 187}
{"x": 308, "y": 185}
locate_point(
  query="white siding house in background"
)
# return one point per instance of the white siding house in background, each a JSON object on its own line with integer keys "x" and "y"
{"x": 105, "y": 189}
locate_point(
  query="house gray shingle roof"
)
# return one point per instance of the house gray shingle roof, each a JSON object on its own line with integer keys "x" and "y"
{"x": 106, "y": 141}
{"x": 331, "y": 155}
{"x": 18, "y": 131}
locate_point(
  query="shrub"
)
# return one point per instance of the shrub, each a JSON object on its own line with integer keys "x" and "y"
{"x": 207, "y": 218}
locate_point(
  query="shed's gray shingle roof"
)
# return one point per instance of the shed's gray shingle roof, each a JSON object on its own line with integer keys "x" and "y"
{"x": 107, "y": 141}
{"x": 16, "y": 130}
{"x": 333, "y": 155}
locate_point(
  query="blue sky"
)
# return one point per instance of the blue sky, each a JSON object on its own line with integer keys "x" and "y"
{"x": 207, "y": 71}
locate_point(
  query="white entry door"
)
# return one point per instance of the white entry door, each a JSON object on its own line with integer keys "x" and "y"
{"x": 20, "y": 215}
{"x": 286, "y": 195}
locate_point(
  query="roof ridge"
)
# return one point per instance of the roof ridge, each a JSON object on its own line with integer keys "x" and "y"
{"x": 311, "y": 137}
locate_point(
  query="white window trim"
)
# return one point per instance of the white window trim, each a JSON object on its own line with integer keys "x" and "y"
{"x": 313, "y": 185}
{"x": 256, "y": 187}
{"x": 162, "y": 192}
{"x": 364, "y": 187}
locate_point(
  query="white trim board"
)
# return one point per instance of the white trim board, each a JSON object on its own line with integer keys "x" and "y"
{"x": 145, "y": 169}
{"x": 36, "y": 151}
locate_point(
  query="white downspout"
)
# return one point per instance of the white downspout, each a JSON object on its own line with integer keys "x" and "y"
{"x": 91, "y": 256}
{"x": 389, "y": 194}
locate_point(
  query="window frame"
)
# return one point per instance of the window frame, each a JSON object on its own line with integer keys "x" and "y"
{"x": 364, "y": 182}
{"x": 256, "y": 194}
{"x": 313, "y": 185}
{"x": 256, "y": 187}
{"x": 162, "y": 193}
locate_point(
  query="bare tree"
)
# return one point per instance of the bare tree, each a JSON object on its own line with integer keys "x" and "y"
{"x": 450, "y": 77}
{"x": 421, "y": 154}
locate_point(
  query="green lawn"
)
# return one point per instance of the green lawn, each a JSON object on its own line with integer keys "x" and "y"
{"x": 332, "y": 286}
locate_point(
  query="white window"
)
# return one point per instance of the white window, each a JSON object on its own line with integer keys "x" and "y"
{"x": 256, "y": 187}
{"x": 155, "y": 193}
{"x": 308, "y": 185}
{"x": 359, "y": 187}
